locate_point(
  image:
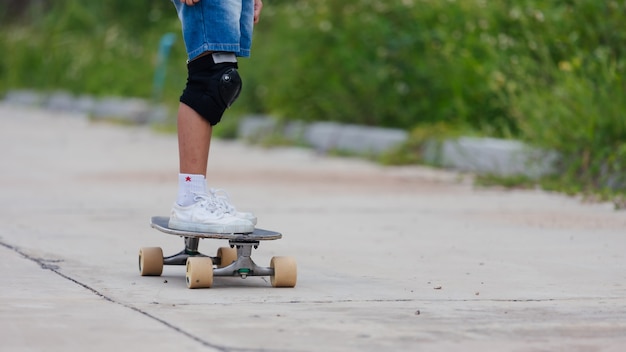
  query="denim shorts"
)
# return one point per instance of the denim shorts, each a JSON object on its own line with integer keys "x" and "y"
{"x": 217, "y": 25}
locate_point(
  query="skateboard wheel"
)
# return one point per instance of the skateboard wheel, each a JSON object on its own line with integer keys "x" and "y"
{"x": 199, "y": 272}
{"x": 227, "y": 256}
{"x": 150, "y": 261}
{"x": 285, "y": 272}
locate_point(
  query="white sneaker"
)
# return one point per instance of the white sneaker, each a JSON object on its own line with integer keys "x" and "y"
{"x": 223, "y": 200}
{"x": 207, "y": 214}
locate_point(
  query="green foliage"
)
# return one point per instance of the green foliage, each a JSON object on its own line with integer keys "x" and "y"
{"x": 509, "y": 182}
{"x": 376, "y": 63}
{"x": 101, "y": 48}
{"x": 569, "y": 94}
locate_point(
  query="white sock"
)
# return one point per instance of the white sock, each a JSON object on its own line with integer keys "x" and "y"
{"x": 188, "y": 187}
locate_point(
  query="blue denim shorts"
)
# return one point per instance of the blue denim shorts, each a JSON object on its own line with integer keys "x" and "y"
{"x": 217, "y": 25}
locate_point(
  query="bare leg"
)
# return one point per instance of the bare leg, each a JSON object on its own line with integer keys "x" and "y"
{"x": 194, "y": 141}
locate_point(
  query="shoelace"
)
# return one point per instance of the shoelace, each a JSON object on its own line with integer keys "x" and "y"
{"x": 222, "y": 200}
{"x": 210, "y": 203}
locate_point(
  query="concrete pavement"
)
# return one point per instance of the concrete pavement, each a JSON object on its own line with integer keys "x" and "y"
{"x": 389, "y": 258}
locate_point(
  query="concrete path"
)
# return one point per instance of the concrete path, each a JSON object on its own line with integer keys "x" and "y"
{"x": 390, "y": 259}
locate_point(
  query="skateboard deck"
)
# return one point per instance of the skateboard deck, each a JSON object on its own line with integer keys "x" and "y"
{"x": 234, "y": 260}
{"x": 161, "y": 223}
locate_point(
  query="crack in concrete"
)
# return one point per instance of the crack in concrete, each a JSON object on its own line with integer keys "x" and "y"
{"x": 418, "y": 300}
{"x": 44, "y": 264}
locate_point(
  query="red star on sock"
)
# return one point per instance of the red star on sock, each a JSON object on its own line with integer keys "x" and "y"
{"x": 188, "y": 179}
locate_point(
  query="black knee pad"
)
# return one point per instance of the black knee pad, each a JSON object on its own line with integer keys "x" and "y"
{"x": 211, "y": 88}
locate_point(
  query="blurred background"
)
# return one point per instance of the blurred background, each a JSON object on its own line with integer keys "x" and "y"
{"x": 548, "y": 73}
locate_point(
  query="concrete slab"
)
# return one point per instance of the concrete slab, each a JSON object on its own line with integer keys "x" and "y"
{"x": 405, "y": 258}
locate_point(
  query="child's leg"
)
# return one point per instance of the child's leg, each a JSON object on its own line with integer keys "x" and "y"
{"x": 194, "y": 141}
{"x": 212, "y": 31}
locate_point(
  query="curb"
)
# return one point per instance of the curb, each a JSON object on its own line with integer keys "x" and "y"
{"x": 491, "y": 156}
{"x": 132, "y": 110}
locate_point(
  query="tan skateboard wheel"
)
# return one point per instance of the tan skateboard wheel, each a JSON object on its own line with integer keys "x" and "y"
{"x": 227, "y": 255}
{"x": 199, "y": 272}
{"x": 285, "y": 272}
{"x": 150, "y": 261}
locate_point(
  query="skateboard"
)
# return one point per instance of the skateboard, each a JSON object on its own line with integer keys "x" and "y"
{"x": 234, "y": 260}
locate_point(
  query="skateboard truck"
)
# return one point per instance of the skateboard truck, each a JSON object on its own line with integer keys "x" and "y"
{"x": 244, "y": 266}
{"x": 191, "y": 250}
